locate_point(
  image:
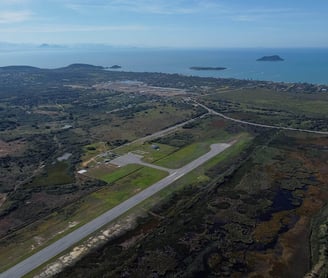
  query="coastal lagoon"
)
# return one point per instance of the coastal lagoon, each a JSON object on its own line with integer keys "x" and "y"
{"x": 299, "y": 65}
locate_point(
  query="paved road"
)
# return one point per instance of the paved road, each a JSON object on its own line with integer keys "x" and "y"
{"x": 165, "y": 131}
{"x": 260, "y": 125}
{"x": 67, "y": 241}
{"x": 131, "y": 158}
{"x": 152, "y": 136}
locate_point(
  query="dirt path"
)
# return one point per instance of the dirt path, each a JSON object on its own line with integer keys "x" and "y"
{"x": 3, "y": 198}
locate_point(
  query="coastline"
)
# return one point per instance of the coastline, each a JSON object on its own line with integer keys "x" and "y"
{"x": 300, "y": 65}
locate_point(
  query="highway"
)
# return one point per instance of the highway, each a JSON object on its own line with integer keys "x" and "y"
{"x": 211, "y": 111}
{"x": 151, "y": 136}
{"x": 164, "y": 131}
{"x": 74, "y": 237}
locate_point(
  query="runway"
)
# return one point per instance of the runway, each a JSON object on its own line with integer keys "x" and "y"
{"x": 69, "y": 240}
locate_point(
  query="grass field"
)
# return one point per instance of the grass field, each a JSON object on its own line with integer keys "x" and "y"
{"x": 55, "y": 174}
{"x": 92, "y": 150}
{"x": 184, "y": 156}
{"x": 311, "y": 104}
{"x": 119, "y": 173}
{"x": 129, "y": 185}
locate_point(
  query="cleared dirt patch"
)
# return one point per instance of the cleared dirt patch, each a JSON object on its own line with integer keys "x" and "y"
{"x": 110, "y": 232}
{"x": 3, "y": 198}
{"x": 46, "y": 112}
{"x": 219, "y": 123}
{"x": 139, "y": 88}
{"x": 11, "y": 148}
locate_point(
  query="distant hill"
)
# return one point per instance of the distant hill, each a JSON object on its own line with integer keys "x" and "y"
{"x": 208, "y": 68}
{"x": 70, "y": 67}
{"x": 273, "y": 58}
{"x": 115, "y": 67}
{"x": 19, "y": 68}
{"x": 46, "y": 45}
{"x": 83, "y": 66}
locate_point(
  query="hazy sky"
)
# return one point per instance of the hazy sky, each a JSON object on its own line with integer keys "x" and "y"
{"x": 175, "y": 23}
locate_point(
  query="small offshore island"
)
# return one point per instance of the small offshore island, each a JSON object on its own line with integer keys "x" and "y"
{"x": 273, "y": 58}
{"x": 207, "y": 68}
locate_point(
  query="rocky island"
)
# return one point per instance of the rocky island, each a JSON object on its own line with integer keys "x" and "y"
{"x": 208, "y": 68}
{"x": 273, "y": 58}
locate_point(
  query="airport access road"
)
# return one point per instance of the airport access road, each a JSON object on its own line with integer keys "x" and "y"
{"x": 131, "y": 158}
{"x": 213, "y": 112}
{"x": 74, "y": 237}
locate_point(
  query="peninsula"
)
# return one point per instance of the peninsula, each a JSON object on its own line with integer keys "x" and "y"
{"x": 273, "y": 58}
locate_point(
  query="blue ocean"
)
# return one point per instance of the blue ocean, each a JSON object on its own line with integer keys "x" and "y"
{"x": 299, "y": 65}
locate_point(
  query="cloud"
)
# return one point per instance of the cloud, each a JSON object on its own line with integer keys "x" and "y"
{"x": 163, "y": 7}
{"x": 7, "y": 17}
{"x": 234, "y": 12}
{"x": 13, "y": 2}
{"x": 256, "y": 15}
